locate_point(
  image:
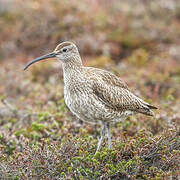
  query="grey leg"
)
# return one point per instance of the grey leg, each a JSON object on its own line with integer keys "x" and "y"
{"x": 103, "y": 132}
{"x": 109, "y": 136}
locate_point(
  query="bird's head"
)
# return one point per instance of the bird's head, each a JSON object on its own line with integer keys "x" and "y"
{"x": 65, "y": 51}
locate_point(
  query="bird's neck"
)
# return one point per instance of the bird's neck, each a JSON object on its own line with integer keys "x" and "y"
{"x": 72, "y": 69}
{"x": 75, "y": 63}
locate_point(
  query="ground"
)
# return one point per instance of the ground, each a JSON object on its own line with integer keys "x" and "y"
{"x": 136, "y": 40}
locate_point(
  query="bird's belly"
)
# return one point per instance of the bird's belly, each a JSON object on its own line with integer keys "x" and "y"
{"x": 82, "y": 106}
{"x": 88, "y": 108}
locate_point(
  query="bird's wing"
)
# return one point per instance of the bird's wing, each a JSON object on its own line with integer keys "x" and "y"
{"x": 120, "y": 98}
{"x": 107, "y": 77}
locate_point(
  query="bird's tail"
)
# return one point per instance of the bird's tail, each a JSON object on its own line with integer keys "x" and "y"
{"x": 147, "y": 109}
{"x": 151, "y": 107}
{"x": 148, "y": 112}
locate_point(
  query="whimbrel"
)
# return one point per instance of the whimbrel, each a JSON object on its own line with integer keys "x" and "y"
{"x": 94, "y": 94}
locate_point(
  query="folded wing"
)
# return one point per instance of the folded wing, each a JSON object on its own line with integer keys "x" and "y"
{"x": 121, "y": 99}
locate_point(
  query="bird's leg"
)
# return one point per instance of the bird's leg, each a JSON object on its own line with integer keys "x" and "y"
{"x": 109, "y": 136}
{"x": 103, "y": 132}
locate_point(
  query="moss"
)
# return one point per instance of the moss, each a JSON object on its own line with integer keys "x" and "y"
{"x": 3, "y": 97}
{"x": 35, "y": 136}
{"x": 170, "y": 97}
{"x": 38, "y": 126}
{"x": 13, "y": 120}
{"x": 43, "y": 116}
{"x": 20, "y": 132}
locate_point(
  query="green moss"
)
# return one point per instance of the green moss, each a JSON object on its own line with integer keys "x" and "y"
{"x": 16, "y": 178}
{"x": 21, "y": 132}
{"x": 38, "y": 126}
{"x": 1, "y": 137}
{"x": 43, "y": 116}
{"x": 121, "y": 145}
{"x": 113, "y": 154}
{"x": 103, "y": 155}
{"x": 35, "y": 135}
{"x": 3, "y": 97}
{"x": 63, "y": 174}
{"x": 13, "y": 120}
{"x": 170, "y": 97}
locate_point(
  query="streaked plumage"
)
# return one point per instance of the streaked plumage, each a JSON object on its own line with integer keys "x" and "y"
{"x": 93, "y": 94}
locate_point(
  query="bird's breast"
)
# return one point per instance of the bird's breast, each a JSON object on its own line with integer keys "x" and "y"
{"x": 77, "y": 98}
{"x": 75, "y": 92}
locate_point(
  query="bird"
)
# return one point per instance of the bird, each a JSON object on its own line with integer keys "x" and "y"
{"x": 95, "y": 95}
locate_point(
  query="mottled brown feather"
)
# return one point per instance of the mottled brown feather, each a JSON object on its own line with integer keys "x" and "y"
{"x": 121, "y": 98}
{"x": 107, "y": 77}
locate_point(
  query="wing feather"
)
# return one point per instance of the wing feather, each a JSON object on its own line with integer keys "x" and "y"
{"x": 107, "y": 77}
{"x": 120, "y": 98}
{"x": 114, "y": 92}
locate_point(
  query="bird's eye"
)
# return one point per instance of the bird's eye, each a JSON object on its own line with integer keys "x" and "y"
{"x": 64, "y": 50}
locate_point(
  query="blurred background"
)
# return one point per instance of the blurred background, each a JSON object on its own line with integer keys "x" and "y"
{"x": 138, "y": 40}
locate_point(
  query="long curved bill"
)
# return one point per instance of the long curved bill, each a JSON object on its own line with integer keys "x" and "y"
{"x": 50, "y": 55}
